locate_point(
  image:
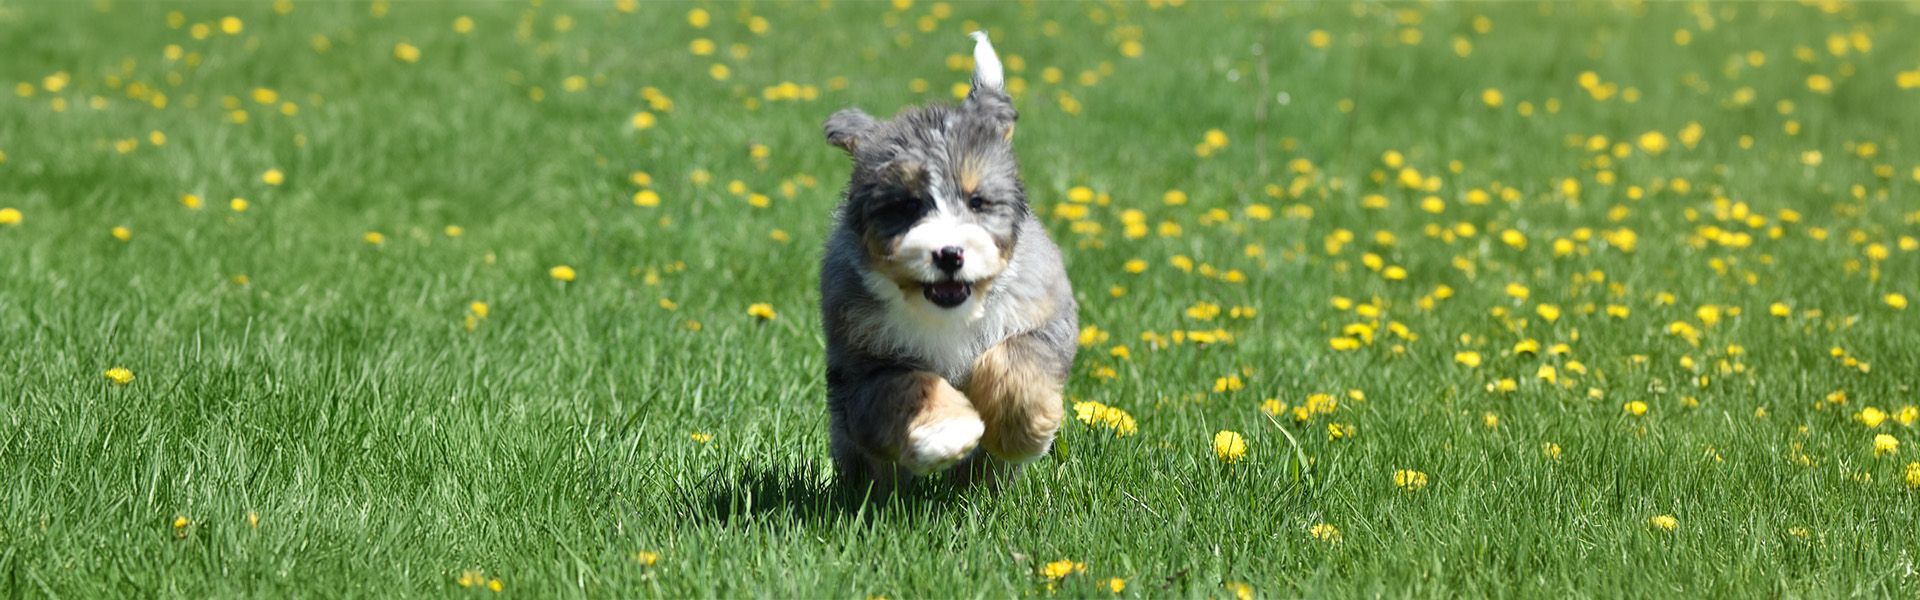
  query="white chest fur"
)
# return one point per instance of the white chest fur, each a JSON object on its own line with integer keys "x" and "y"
{"x": 946, "y": 340}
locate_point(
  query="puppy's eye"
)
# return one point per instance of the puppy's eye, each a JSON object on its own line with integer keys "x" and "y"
{"x": 976, "y": 202}
{"x": 901, "y": 207}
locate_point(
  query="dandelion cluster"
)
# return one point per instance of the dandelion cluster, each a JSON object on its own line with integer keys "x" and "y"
{"x": 1101, "y": 416}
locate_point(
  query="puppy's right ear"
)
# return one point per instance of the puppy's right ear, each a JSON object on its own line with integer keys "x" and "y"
{"x": 849, "y": 127}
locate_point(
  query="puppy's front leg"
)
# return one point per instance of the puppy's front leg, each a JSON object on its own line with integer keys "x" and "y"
{"x": 1016, "y": 387}
{"x": 913, "y": 419}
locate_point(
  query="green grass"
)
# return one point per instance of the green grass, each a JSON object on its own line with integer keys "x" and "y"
{"x": 386, "y": 449}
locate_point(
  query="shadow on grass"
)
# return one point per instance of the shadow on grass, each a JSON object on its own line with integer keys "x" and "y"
{"x": 807, "y": 494}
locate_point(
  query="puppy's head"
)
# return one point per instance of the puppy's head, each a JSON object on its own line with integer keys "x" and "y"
{"x": 935, "y": 194}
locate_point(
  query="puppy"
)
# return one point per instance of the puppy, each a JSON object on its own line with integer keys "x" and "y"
{"x": 949, "y": 320}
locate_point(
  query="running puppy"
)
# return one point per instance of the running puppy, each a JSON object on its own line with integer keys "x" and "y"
{"x": 949, "y": 319}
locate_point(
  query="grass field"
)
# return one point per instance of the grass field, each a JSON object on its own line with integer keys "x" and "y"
{"x": 1499, "y": 299}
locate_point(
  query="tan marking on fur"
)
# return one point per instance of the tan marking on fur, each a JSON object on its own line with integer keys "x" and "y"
{"x": 1009, "y": 132}
{"x": 943, "y": 402}
{"x": 969, "y": 177}
{"x": 910, "y": 175}
{"x": 880, "y": 256}
{"x": 1018, "y": 399}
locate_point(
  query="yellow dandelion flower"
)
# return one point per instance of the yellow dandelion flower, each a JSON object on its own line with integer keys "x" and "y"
{"x": 1635, "y": 408}
{"x": 1820, "y": 84}
{"x": 1241, "y": 590}
{"x": 1490, "y": 419}
{"x": 1870, "y": 417}
{"x": 647, "y": 198}
{"x": 119, "y": 375}
{"x": 1913, "y": 475}
{"x": 1060, "y": 569}
{"x": 231, "y": 25}
{"x": 479, "y": 309}
{"x": 11, "y": 217}
{"x": 1216, "y": 139}
{"x": 1325, "y": 532}
{"x": 374, "y": 237}
{"x": 1896, "y": 301}
{"x": 406, "y": 53}
{"x": 719, "y": 72}
{"x": 1229, "y": 446}
{"x": 646, "y": 559}
{"x": 1548, "y": 312}
{"x": 273, "y": 177}
{"x": 1469, "y": 358}
{"x": 700, "y": 436}
{"x": 1653, "y": 142}
{"x": 1339, "y": 431}
{"x": 762, "y": 311}
{"x": 1117, "y": 585}
{"x": 495, "y": 586}
{"x": 698, "y": 18}
{"x": 1551, "y": 450}
{"x": 1491, "y": 97}
{"x": 1884, "y": 444}
{"x": 1409, "y": 480}
{"x": 238, "y": 204}
{"x": 122, "y": 233}
{"x": 643, "y": 120}
{"x": 561, "y": 272}
{"x": 1518, "y": 291}
{"x": 1273, "y": 407}
{"x": 1664, "y": 523}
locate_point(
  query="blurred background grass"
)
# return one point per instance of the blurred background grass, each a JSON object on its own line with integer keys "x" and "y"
{"x": 315, "y": 413}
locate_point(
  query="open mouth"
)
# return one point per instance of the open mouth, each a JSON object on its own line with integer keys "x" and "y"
{"x": 947, "y": 294}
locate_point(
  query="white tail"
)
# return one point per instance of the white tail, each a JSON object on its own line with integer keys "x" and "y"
{"x": 986, "y": 65}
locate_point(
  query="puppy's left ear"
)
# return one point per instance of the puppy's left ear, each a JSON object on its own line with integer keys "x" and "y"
{"x": 848, "y": 127}
{"x": 988, "y": 99}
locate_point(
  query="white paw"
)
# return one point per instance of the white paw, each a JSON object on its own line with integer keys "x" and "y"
{"x": 940, "y": 444}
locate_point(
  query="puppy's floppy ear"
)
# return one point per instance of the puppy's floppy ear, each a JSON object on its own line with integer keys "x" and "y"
{"x": 988, "y": 99}
{"x": 848, "y": 127}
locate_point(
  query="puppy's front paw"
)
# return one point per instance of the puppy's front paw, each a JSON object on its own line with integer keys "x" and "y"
{"x": 940, "y": 444}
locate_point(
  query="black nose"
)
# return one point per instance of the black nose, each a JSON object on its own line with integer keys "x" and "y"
{"x": 948, "y": 259}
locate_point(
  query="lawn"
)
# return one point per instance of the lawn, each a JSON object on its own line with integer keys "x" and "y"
{"x": 305, "y": 298}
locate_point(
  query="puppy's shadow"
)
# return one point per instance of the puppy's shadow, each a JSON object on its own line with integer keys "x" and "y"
{"x": 804, "y": 494}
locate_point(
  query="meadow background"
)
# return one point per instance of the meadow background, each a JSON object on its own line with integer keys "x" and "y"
{"x": 435, "y": 298}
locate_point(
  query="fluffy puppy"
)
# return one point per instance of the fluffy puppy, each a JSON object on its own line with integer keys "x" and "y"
{"x": 949, "y": 319}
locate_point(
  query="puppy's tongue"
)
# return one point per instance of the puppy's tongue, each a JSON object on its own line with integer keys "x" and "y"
{"x": 947, "y": 294}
